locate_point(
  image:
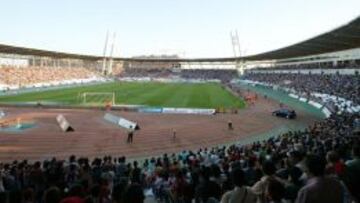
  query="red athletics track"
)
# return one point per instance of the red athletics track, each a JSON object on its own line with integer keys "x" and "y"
{"x": 94, "y": 136}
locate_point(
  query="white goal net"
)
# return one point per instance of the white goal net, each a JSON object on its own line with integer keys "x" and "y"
{"x": 98, "y": 98}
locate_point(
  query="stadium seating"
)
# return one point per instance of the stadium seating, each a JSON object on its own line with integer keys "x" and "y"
{"x": 14, "y": 77}
{"x": 224, "y": 75}
{"x": 146, "y": 72}
{"x": 325, "y": 65}
{"x": 344, "y": 88}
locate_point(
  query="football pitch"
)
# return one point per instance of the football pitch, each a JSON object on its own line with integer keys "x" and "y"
{"x": 154, "y": 94}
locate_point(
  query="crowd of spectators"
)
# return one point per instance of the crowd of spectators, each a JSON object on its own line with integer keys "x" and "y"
{"x": 344, "y": 86}
{"x": 11, "y": 76}
{"x": 147, "y": 72}
{"x": 224, "y": 75}
{"x": 319, "y": 164}
{"x": 323, "y": 65}
{"x": 24, "y": 76}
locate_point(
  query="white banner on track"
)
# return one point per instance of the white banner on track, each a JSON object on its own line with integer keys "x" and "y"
{"x": 188, "y": 111}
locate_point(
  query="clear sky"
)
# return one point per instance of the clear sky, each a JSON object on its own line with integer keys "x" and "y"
{"x": 198, "y": 28}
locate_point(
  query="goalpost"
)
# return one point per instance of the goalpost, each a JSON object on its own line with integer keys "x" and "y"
{"x": 98, "y": 98}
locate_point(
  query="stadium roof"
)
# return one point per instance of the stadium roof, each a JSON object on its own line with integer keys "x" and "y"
{"x": 8, "y": 49}
{"x": 342, "y": 38}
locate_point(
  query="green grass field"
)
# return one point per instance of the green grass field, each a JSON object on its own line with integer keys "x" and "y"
{"x": 207, "y": 95}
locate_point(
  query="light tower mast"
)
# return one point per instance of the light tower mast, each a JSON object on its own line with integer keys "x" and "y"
{"x": 235, "y": 42}
{"x": 110, "y": 68}
{"x": 103, "y": 70}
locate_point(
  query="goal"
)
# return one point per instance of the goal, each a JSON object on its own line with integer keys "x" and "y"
{"x": 98, "y": 98}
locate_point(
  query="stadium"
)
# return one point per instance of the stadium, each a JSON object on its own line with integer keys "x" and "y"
{"x": 91, "y": 128}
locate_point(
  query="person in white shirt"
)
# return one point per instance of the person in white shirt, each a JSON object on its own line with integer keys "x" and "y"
{"x": 259, "y": 188}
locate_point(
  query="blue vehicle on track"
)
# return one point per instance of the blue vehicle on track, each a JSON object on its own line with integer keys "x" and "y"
{"x": 285, "y": 113}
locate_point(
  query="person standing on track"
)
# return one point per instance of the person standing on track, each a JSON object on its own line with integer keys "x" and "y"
{"x": 130, "y": 136}
{"x": 230, "y": 125}
{"x": 174, "y": 134}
